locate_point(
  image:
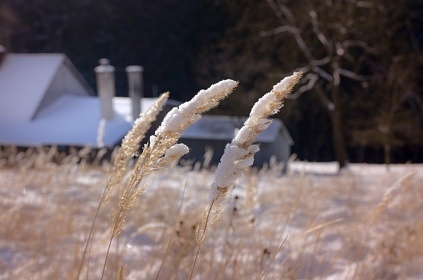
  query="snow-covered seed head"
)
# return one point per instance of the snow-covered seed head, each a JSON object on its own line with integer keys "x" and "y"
{"x": 178, "y": 119}
{"x": 239, "y": 154}
{"x": 131, "y": 142}
{"x": 285, "y": 86}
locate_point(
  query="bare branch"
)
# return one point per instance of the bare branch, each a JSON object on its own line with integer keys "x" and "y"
{"x": 293, "y": 29}
{"x": 327, "y": 103}
{"x": 336, "y": 75}
{"x": 297, "y": 35}
{"x": 354, "y": 43}
{"x": 322, "y": 73}
{"x": 280, "y": 29}
{"x": 319, "y": 34}
{"x": 285, "y": 11}
{"x": 275, "y": 9}
{"x": 320, "y": 62}
{"x": 352, "y": 75}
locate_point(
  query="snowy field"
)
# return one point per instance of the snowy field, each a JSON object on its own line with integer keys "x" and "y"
{"x": 364, "y": 222}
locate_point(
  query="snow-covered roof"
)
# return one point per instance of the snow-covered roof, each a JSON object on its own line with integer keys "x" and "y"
{"x": 25, "y": 80}
{"x": 72, "y": 120}
{"x": 224, "y": 128}
{"x": 45, "y": 101}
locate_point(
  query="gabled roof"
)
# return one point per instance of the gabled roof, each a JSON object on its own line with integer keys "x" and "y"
{"x": 73, "y": 120}
{"x": 26, "y": 78}
{"x": 70, "y": 120}
{"x": 45, "y": 101}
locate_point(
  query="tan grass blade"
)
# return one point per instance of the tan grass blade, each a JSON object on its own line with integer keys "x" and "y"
{"x": 129, "y": 146}
{"x": 163, "y": 148}
{"x": 239, "y": 154}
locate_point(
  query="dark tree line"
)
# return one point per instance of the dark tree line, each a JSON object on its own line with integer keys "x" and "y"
{"x": 154, "y": 34}
{"x": 361, "y": 98}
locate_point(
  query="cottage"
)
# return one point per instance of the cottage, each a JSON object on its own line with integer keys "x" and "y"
{"x": 45, "y": 101}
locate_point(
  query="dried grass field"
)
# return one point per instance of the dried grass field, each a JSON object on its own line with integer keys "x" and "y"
{"x": 141, "y": 216}
{"x": 363, "y": 223}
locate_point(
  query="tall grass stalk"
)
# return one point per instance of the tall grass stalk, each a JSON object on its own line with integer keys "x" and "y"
{"x": 130, "y": 145}
{"x": 172, "y": 235}
{"x": 360, "y": 224}
{"x": 239, "y": 154}
{"x": 163, "y": 149}
{"x": 384, "y": 202}
{"x": 272, "y": 259}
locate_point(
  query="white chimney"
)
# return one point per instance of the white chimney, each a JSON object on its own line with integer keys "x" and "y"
{"x": 105, "y": 87}
{"x": 135, "y": 86}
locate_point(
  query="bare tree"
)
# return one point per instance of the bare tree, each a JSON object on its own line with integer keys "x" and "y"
{"x": 359, "y": 52}
{"x": 325, "y": 32}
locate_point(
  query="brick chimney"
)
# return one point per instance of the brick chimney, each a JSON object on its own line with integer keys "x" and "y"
{"x": 105, "y": 87}
{"x": 135, "y": 85}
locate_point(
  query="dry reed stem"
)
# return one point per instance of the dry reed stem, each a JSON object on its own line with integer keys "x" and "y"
{"x": 386, "y": 199}
{"x": 129, "y": 146}
{"x": 273, "y": 258}
{"x": 239, "y": 154}
{"x": 392, "y": 245}
{"x": 131, "y": 142}
{"x": 388, "y": 196}
{"x": 121, "y": 273}
{"x": 172, "y": 234}
{"x": 162, "y": 149}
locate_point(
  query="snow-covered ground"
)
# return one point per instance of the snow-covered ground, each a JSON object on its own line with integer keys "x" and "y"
{"x": 363, "y": 222}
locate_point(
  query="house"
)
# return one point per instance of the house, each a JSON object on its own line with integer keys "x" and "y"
{"x": 214, "y": 132}
{"x": 45, "y": 101}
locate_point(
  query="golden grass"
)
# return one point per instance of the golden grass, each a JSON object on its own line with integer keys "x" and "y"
{"x": 66, "y": 215}
{"x": 46, "y": 211}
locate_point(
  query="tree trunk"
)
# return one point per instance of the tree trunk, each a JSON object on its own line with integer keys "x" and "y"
{"x": 338, "y": 129}
{"x": 333, "y": 108}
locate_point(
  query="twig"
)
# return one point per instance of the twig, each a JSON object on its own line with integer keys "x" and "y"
{"x": 273, "y": 258}
{"x": 172, "y": 235}
{"x": 200, "y": 240}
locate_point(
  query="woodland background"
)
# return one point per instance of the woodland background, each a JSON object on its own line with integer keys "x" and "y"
{"x": 361, "y": 99}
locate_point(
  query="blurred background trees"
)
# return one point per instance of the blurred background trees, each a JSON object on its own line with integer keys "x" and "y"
{"x": 9, "y": 23}
{"x": 361, "y": 99}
